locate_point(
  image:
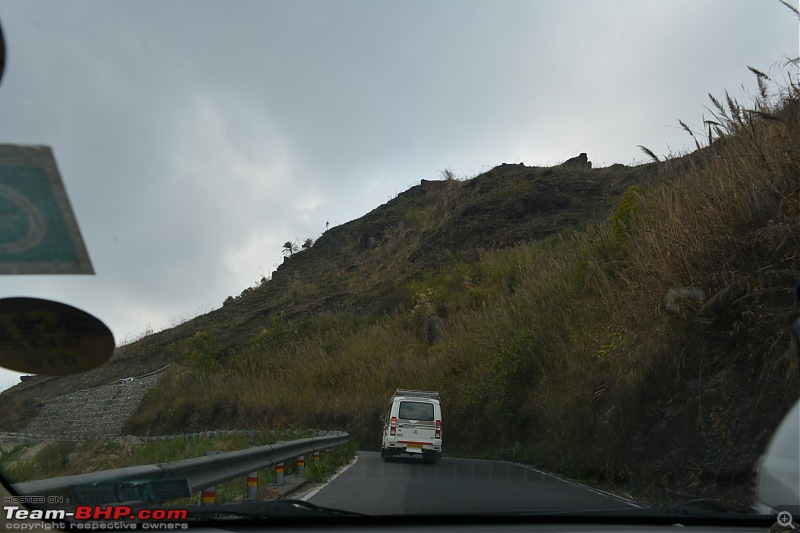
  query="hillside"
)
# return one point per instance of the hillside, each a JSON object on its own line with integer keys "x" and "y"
{"x": 364, "y": 267}
{"x": 627, "y": 326}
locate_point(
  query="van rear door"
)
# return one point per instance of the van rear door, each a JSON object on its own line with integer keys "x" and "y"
{"x": 416, "y": 425}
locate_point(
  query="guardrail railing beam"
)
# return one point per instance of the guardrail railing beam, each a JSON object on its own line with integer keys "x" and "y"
{"x": 199, "y": 473}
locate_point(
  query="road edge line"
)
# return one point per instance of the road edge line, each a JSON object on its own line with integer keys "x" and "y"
{"x": 315, "y": 490}
{"x": 601, "y": 492}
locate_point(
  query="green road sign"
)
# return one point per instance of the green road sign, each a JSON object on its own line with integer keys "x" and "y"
{"x": 38, "y": 231}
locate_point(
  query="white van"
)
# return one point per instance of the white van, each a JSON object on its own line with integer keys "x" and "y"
{"x": 777, "y": 485}
{"x": 413, "y": 425}
{"x": 777, "y": 479}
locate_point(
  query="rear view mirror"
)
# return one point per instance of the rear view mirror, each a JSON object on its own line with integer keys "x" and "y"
{"x": 796, "y": 338}
{"x": 51, "y": 338}
{"x": 796, "y": 326}
{"x": 383, "y": 418}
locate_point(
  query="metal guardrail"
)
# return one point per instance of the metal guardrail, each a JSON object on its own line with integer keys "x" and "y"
{"x": 126, "y": 380}
{"x": 200, "y": 472}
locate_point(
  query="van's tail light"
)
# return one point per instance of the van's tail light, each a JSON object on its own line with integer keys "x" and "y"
{"x": 438, "y": 433}
{"x": 393, "y": 426}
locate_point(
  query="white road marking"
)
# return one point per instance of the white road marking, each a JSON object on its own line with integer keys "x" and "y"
{"x": 590, "y": 489}
{"x": 321, "y": 486}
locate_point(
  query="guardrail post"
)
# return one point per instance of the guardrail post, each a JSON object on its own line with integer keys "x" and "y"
{"x": 279, "y": 474}
{"x": 251, "y": 493}
{"x": 209, "y": 494}
{"x": 301, "y": 465}
{"x": 252, "y": 486}
{"x": 316, "y": 455}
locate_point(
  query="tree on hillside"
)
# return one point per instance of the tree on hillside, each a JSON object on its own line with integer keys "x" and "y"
{"x": 447, "y": 174}
{"x": 289, "y": 248}
{"x": 308, "y": 243}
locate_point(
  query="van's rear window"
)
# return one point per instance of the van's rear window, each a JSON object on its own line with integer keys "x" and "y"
{"x": 416, "y": 411}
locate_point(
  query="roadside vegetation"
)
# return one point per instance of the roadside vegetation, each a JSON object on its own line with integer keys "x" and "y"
{"x": 644, "y": 348}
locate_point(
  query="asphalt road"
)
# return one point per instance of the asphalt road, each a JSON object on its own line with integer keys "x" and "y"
{"x": 406, "y": 485}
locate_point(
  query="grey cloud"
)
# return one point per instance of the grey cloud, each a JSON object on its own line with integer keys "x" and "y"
{"x": 191, "y": 134}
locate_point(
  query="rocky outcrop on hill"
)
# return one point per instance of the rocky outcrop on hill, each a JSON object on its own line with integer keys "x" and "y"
{"x": 580, "y": 161}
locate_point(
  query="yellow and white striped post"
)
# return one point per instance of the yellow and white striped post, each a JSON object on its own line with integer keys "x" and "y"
{"x": 279, "y": 474}
{"x": 252, "y": 486}
{"x": 301, "y": 465}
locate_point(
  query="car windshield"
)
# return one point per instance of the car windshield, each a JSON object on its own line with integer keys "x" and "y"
{"x": 559, "y": 239}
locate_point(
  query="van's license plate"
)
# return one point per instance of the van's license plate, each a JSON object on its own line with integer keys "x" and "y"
{"x": 413, "y": 445}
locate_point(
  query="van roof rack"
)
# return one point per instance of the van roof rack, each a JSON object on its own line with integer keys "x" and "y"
{"x": 431, "y": 394}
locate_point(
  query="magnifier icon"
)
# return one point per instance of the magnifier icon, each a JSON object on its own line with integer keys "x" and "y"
{"x": 785, "y": 519}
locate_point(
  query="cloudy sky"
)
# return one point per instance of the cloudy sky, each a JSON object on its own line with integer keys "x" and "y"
{"x": 195, "y": 138}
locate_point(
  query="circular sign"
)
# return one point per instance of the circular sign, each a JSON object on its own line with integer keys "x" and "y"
{"x": 45, "y": 337}
{"x": 33, "y": 228}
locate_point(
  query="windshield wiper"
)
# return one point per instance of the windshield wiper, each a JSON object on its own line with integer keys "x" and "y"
{"x": 267, "y": 509}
